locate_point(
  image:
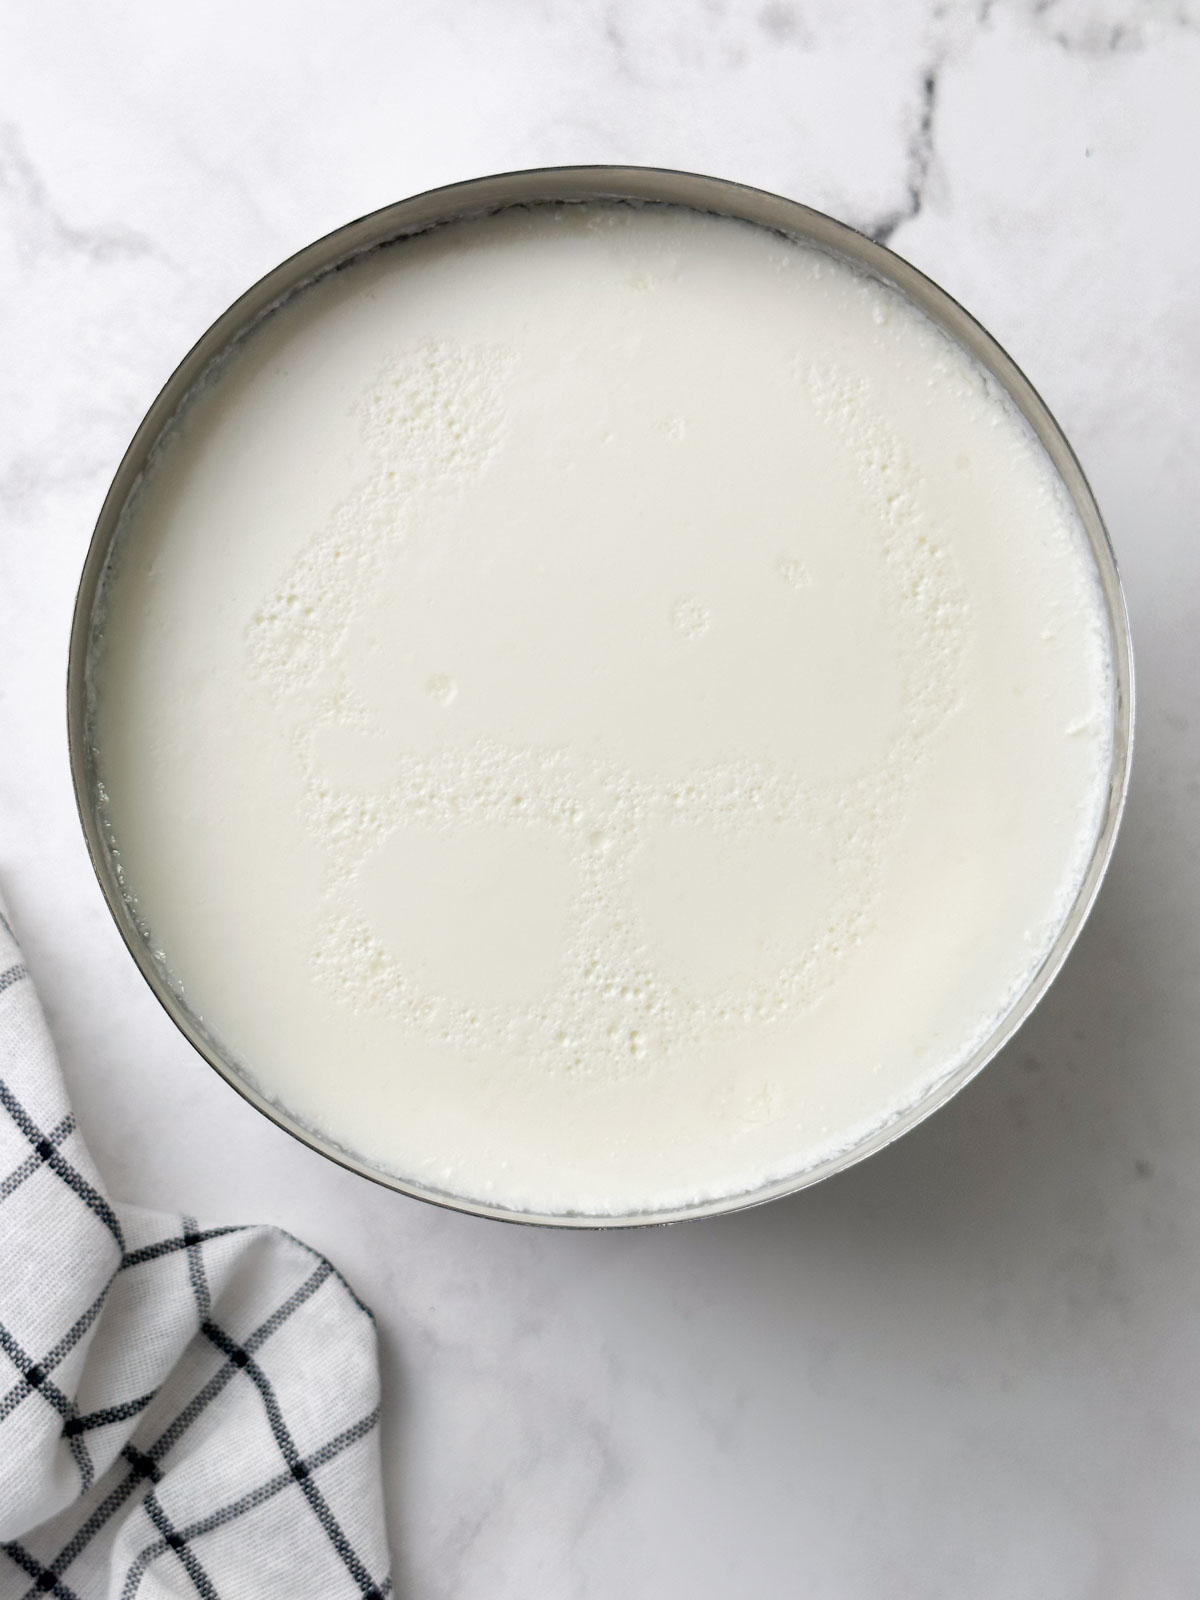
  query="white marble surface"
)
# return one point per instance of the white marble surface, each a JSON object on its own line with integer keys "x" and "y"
{"x": 968, "y": 1368}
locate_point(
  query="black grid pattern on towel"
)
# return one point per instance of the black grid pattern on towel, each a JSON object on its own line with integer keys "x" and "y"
{"x": 138, "y": 1473}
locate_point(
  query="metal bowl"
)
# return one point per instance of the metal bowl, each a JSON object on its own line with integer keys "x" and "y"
{"x": 476, "y": 198}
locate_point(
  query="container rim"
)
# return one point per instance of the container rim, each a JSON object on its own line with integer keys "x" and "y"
{"x": 479, "y": 197}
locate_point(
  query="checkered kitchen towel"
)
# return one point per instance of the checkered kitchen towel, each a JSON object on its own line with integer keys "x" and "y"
{"x": 183, "y": 1410}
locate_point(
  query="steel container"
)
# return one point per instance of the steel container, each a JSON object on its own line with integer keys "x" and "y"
{"x": 481, "y": 197}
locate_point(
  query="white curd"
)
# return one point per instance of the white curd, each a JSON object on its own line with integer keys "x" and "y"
{"x": 599, "y": 708}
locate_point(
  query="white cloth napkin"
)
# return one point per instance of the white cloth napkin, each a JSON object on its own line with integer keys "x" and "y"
{"x": 183, "y": 1410}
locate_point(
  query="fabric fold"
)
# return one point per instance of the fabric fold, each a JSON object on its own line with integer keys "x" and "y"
{"x": 183, "y": 1409}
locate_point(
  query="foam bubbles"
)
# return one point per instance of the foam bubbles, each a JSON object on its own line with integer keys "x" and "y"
{"x": 691, "y": 619}
{"x": 612, "y": 1008}
{"x": 432, "y": 421}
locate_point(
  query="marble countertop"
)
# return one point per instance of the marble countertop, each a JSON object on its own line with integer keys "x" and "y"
{"x": 970, "y": 1367}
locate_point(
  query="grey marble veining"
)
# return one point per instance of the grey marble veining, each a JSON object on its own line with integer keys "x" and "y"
{"x": 969, "y": 1367}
